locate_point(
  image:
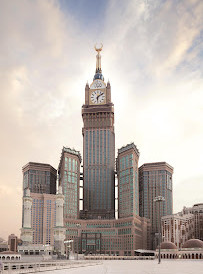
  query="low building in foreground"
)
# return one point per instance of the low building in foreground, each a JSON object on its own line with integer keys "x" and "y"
{"x": 9, "y": 256}
{"x": 192, "y": 249}
{"x": 178, "y": 229}
{"x": 197, "y": 211}
{"x": 115, "y": 236}
{"x": 3, "y": 245}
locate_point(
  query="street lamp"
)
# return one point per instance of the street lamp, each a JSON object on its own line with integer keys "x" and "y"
{"x": 158, "y": 200}
{"x": 77, "y": 243}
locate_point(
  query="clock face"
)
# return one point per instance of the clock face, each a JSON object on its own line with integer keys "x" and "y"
{"x": 97, "y": 97}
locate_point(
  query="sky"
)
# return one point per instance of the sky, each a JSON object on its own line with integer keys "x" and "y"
{"x": 153, "y": 57}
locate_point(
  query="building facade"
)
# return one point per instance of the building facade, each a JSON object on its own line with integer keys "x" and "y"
{"x": 43, "y": 218}
{"x": 13, "y": 242}
{"x": 128, "y": 185}
{"x": 178, "y": 229}
{"x": 69, "y": 179}
{"x": 155, "y": 179}
{"x": 197, "y": 211}
{"x": 39, "y": 178}
{"x": 59, "y": 229}
{"x": 97, "y": 231}
{"x": 98, "y": 148}
{"x": 116, "y": 236}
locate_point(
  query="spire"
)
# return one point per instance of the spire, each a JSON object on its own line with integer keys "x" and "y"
{"x": 98, "y": 72}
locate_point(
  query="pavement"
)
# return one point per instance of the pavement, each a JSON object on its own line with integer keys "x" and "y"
{"x": 138, "y": 267}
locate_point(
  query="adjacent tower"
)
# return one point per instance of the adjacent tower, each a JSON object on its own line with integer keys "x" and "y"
{"x": 41, "y": 180}
{"x": 98, "y": 148}
{"x": 128, "y": 185}
{"x": 155, "y": 179}
{"x": 69, "y": 180}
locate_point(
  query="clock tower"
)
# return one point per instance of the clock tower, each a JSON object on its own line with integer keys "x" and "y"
{"x": 98, "y": 148}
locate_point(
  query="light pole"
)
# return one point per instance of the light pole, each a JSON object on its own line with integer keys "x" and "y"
{"x": 78, "y": 226}
{"x": 158, "y": 200}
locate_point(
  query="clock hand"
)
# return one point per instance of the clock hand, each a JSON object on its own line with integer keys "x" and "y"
{"x": 97, "y": 98}
{"x": 100, "y": 95}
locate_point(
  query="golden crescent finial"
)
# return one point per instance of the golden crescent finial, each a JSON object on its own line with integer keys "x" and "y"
{"x": 98, "y": 49}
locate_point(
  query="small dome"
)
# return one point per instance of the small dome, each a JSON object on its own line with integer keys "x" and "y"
{"x": 193, "y": 243}
{"x": 168, "y": 245}
{"x": 98, "y": 75}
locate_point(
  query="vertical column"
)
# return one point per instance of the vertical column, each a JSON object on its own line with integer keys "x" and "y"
{"x": 26, "y": 230}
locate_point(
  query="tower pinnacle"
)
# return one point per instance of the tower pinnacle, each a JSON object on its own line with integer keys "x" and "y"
{"x": 98, "y": 73}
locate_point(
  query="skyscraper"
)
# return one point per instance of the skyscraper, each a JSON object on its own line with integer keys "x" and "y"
{"x": 69, "y": 179}
{"x": 128, "y": 185}
{"x": 43, "y": 214}
{"x": 155, "y": 179}
{"x": 39, "y": 178}
{"x": 41, "y": 181}
{"x": 97, "y": 231}
{"x": 98, "y": 148}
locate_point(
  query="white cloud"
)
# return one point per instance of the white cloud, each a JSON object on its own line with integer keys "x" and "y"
{"x": 152, "y": 56}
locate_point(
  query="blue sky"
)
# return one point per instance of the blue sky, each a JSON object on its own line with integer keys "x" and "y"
{"x": 89, "y": 13}
{"x": 152, "y": 56}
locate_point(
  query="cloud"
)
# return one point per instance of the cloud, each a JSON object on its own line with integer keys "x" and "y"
{"x": 156, "y": 74}
{"x": 153, "y": 57}
{"x": 38, "y": 91}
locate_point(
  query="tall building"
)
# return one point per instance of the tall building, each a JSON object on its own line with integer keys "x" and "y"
{"x": 97, "y": 231}
{"x": 155, "y": 179}
{"x": 98, "y": 148}
{"x": 197, "y": 211}
{"x": 69, "y": 179}
{"x": 39, "y": 178}
{"x": 128, "y": 185}
{"x": 41, "y": 181}
{"x": 43, "y": 217}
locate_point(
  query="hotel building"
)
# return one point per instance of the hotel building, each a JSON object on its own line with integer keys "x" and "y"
{"x": 98, "y": 148}
{"x": 43, "y": 218}
{"x": 128, "y": 185}
{"x": 40, "y": 179}
{"x": 94, "y": 229}
{"x": 178, "y": 229}
{"x": 197, "y": 211}
{"x": 155, "y": 179}
{"x": 69, "y": 179}
{"x": 97, "y": 231}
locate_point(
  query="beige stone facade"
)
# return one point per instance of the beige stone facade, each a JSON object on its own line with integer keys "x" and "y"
{"x": 197, "y": 211}
{"x": 178, "y": 229}
{"x": 116, "y": 236}
{"x": 43, "y": 216}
